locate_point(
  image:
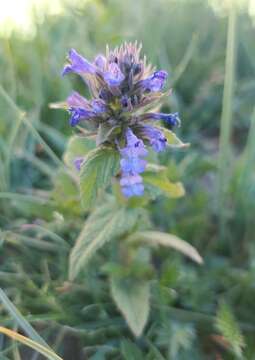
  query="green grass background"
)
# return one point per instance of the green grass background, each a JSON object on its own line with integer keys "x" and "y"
{"x": 210, "y": 56}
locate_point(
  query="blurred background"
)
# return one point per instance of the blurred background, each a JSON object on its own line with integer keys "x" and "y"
{"x": 208, "y": 49}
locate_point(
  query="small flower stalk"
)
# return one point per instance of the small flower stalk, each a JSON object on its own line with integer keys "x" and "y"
{"x": 125, "y": 91}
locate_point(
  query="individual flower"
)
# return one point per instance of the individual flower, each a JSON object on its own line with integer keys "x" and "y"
{"x": 156, "y": 137}
{"x": 155, "y": 82}
{"x": 125, "y": 91}
{"x": 132, "y": 185}
{"x": 78, "y": 64}
{"x": 82, "y": 109}
{"x": 113, "y": 76}
{"x": 98, "y": 106}
{"x": 170, "y": 119}
{"x": 100, "y": 61}
{"x": 135, "y": 147}
{"x": 76, "y": 100}
{"x": 78, "y": 114}
{"x": 78, "y": 162}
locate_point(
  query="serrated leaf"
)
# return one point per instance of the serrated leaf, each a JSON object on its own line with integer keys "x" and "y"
{"x": 77, "y": 146}
{"x": 169, "y": 240}
{"x": 132, "y": 298}
{"x": 96, "y": 173}
{"x": 228, "y": 327}
{"x": 172, "y": 138}
{"x": 106, "y": 223}
{"x": 159, "y": 180}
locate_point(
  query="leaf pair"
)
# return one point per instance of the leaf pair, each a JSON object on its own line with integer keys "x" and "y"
{"x": 103, "y": 162}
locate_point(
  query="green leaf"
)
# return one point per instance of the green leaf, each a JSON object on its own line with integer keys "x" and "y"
{"x": 78, "y": 146}
{"x": 106, "y": 223}
{"x": 66, "y": 193}
{"x": 157, "y": 178}
{"x": 96, "y": 173}
{"x": 172, "y": 139}
{"x": 169, "y": 240}
{"x": 228, "y": 327}
{"x": 132, "y": 298}
{"x": 130, "y": 351}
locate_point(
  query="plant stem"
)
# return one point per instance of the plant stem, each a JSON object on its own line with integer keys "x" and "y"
{"x": 226, "y": 120}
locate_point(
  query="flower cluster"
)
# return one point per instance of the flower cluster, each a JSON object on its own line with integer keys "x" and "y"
{"x": 125, "y": 90}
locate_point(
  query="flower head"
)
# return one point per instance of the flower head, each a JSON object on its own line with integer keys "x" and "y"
{"x": 122, "y": 85}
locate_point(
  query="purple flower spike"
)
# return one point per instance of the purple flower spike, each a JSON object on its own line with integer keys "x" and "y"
{"x": 78, "y": 64}
{"x": 123, "y": 88}
{"x": 155, "y": 82}
{"x": 78, "y": 114}
{"x": 156, "y": 138}
{"x": 113, "y": 77}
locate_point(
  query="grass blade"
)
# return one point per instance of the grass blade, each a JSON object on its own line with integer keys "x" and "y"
{"x": 24, "y": 197}
{"x": 49, "y": 354}
{"x": 21, "y": 321}
{"x": 29, "y": 125}
{"x": 226, "y": 118}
